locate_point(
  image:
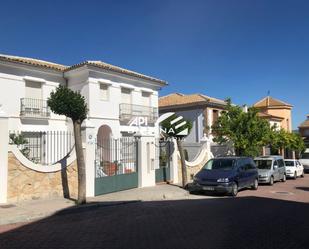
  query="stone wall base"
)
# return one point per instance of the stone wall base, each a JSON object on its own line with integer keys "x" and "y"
{"x": 27, "y": 184}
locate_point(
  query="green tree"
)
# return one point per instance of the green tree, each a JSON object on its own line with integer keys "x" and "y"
{"x": 72, "y": 104}
{"x": 171, "y": 130}
{"x": 248, "y": 132}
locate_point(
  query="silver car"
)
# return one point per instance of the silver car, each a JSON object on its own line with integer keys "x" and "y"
{"x": 271, "y": 169}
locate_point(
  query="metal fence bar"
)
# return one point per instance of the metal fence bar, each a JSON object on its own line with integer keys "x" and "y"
{"x": 43, "y": 147}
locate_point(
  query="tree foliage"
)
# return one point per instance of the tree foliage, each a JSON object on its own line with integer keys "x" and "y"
{"x": 65, "y": 101}
{"x": 249, "y": 133}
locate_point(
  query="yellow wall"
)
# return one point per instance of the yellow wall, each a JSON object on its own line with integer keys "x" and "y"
{"x": 284, "y": 113}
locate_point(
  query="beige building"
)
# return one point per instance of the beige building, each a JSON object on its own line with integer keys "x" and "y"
{"x": 304, "y": 130}
{"x": 203, "y": 111}
{"x": 277, "y": 112}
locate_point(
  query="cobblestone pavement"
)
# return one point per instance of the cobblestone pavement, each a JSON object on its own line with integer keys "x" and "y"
{"x": 272, "y": 217}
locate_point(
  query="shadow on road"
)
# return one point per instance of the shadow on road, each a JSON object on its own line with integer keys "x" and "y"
{"x": 244, "y": 222}
{"x": 303, "y": 188}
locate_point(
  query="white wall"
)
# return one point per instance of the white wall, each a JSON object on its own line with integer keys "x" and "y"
{"x": 12, "y": 80}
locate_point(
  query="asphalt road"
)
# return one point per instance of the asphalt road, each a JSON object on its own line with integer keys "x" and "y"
{"x": 272, "y": 217}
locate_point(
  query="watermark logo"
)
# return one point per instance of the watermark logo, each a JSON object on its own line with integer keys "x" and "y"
{"x": 177, "y": 126}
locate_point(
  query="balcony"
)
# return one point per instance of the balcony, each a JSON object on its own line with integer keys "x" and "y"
{"x": 34, "y": 108}
{"x": 128, "y": 111}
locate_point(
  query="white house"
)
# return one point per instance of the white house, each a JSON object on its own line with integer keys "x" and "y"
{"x": 114, "y": 95}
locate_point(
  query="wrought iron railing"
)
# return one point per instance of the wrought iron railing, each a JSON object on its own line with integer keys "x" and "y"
{"x": 43, "y": 147}
{"x": 116, "y": 156}
{"x": 34, "y": 108}
{"x": 129, "y": 111}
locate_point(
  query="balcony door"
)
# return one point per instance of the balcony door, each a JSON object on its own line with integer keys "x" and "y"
{"x": 33, "y": 90}
{"x": 33, "y": 104}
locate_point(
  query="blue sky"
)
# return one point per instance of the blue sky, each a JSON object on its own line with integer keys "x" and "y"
{"x": 222, "y": 48}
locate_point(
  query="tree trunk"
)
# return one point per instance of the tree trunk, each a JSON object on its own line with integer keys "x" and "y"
{"x": 183, "y": 163}
{"x": 81, "y": 169}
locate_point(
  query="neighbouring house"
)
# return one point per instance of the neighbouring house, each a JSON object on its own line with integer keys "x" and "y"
{"x": 121, "y": 103}
{"x": 279, "y": 114}
{"x": 202, "y": 110}
{"x": 303, "y": 129}
{"x": 276, "y": 111}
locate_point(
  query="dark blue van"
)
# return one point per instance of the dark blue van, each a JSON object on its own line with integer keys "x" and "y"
{"x": 226, "y": 175}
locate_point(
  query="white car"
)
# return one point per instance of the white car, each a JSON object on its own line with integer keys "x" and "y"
{"x": 305, "y": 160}
{"x": 294, "y": 168}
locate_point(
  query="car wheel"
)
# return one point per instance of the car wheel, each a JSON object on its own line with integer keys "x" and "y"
{"x": 271, "y": 181}
{"x": 284, "y": 178}
{"x": 295, "y": 176}
{"x": 234, "y": 190}
{"x": 255, "y": 184}
{"x": 303, "y": 174}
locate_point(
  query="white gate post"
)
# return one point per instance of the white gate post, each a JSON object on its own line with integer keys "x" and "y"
{"x": 4, "y": 141}
{"x": 146, "y": 161}
{"x": 89, "y": 140}
{"x": 174, "y": 162}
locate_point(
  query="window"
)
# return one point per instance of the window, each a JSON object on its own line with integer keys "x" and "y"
{"x": 126, "y": 95}
{"x": 215, "y": 116}
{"x": 146, "y": 98}
{"x": 104, "y": 93}
{"x": 33, "y": 90}
{"x": 281, "y": 163}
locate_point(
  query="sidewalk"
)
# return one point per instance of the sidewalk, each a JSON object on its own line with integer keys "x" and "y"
{"x": 37, "y": 209}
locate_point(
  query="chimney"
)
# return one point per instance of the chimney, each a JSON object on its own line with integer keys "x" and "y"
{"x": 245, "y": 108}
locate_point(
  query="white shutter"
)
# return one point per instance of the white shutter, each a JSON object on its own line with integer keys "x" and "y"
{"x": 126, "y": 95}
{"x": 103, "y": 92}
{"x": 33, "y": 90}
{"x": 145, "y": 99}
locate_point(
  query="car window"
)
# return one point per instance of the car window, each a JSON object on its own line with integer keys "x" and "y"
{"x": 275, "y": 163}
{"x": 220, "y": 164}
{"x": 263, "y": 164}
{"x": 289, "y": 163}
{"x": 281, "y": 163}
{"x": 305, "y": 156}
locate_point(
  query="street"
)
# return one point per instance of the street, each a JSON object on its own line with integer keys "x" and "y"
{"x": 271, "y": 217}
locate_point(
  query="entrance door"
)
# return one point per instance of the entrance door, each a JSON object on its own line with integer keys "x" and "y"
{"x": 163, "y": 152}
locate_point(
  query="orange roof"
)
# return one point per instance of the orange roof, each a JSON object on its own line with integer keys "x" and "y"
{"x": 271, "y": 102}
{"x": 104, "y": 65}
{"x": 268, "y": 116}
{"x": 32, "y": 62}
{"x": 63, "y": 68}
{"x": 305, "y": 124}
{"x": 181, "y": 99}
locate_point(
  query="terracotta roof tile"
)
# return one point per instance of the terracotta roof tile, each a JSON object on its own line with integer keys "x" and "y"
{"x": 268, "y": 116}
{"x": 270, "y": 102}
{"x": 32, "y": 62}
{"x": 305, "y": 123}
{"x": 103, "y": 65}
{"x": 63, "y": 68}
{"x": 181, "y": 99}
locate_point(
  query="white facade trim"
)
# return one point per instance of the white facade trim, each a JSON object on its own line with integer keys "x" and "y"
{"x": 39, "y": 167}
{"x": 34, "y": 79}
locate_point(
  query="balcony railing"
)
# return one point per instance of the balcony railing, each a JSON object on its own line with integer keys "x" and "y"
{"x": 34, "y": 108}
{"x": 128, "y": 111}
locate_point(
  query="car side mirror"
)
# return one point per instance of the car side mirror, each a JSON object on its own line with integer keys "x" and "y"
{"x": 275, "y": 167}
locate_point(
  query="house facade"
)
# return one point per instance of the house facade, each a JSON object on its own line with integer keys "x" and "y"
{"x": 114, "y": 95}
{"x": 118, "y": 135}
{"x": 203, "y": 111}
{"x": 277, "y": 112}
{"x": 304, "y": 130}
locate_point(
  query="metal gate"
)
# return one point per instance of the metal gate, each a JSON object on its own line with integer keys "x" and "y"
{"x": 116, "y": 165}
{"x": 163, "y": 150}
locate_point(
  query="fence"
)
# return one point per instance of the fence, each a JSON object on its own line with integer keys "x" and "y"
{"x": 44, "y": 147}
{"x": 116, "y": 156}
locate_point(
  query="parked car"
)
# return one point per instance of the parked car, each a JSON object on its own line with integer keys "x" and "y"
{"x": 226, "y": 175}
{"x": 304, "y": 160}
{"x": 294, "y": 168}
{"x": 271, "y": 169}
